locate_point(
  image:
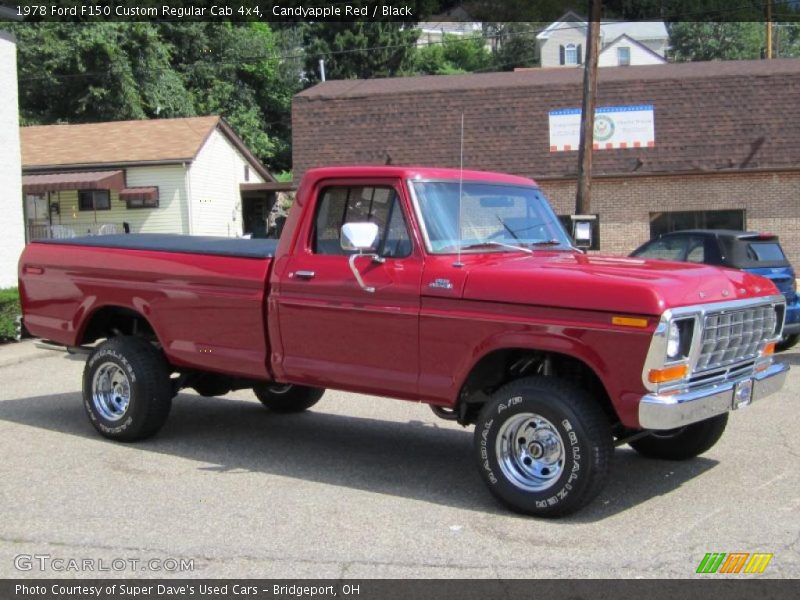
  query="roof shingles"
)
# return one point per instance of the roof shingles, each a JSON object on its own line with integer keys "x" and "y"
{"x": 115, "y": 142}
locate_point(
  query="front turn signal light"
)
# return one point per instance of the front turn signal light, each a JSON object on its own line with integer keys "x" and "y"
{"x": 667, "y": 374}
{"x": 769, "y": 349}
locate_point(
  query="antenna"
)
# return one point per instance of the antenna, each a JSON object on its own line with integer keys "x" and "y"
{"x": 458, "y": 262}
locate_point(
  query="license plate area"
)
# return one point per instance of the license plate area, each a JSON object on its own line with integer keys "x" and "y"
{"x": 742, "y": 394}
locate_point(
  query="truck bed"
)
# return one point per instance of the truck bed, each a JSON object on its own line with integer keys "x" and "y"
{"x": 183, "y": 244}
{"x": 204, "y": 296}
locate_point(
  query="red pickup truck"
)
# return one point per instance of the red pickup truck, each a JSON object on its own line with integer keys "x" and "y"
{"x": 457, "y": 289}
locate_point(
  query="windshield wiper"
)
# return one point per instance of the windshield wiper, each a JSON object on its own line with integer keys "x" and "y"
{"x": 507, "y": 228}
{"x": 545, "y": 243}
{"x": 500, "y": 244}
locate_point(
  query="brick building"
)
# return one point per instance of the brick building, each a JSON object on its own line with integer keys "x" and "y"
{"x": 726, "y": 152}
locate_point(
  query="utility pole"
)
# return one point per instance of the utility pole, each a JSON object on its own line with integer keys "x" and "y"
{"x": 583, "y": 198}
{"x": 769, "y": 28}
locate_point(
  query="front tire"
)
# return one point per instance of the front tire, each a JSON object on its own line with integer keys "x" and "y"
{"x": 126, "y": 389}
{"x": 287, "y": 398}
{"x": 543, "y": 446}
{"x": 684, "y": 443}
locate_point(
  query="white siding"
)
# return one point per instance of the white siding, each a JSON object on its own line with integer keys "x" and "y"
{"x": 639, "y": 56}
{"x": 569, "y": 33}
{"x": 214, "y": 178}
{"x": 169, "y": 217}
{"x": 171, "y": 214}
{"x": 12, "y": 233}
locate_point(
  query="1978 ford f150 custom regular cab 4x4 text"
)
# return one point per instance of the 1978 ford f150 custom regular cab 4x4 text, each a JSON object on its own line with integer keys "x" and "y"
{"x": 457, "y": 289}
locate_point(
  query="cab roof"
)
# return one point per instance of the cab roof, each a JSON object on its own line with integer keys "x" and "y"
{"x": 413, "y": 172}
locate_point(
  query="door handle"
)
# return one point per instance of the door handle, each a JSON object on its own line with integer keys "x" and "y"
{"x": 304, "y": 274}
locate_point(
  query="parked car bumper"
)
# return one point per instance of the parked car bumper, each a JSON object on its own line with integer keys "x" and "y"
{"x": 792, "y": 323}
{"x": 660, "y": 412}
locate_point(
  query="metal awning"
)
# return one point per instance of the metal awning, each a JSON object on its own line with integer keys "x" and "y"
{"x": 145, "y": 194}
{"x": 73, "y": 180}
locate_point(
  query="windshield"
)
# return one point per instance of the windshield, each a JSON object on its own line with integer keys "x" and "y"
{"x": 494, "y": 217}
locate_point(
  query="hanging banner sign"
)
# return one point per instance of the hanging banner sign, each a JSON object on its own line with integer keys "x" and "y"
{"x": 614, "y": 127}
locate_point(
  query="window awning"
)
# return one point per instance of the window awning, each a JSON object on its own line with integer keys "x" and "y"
{"x": 73, "y": 180}
{"x": 145, "y": 194}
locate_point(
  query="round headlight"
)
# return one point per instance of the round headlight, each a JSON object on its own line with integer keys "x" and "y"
{"x": 674, "y": 340}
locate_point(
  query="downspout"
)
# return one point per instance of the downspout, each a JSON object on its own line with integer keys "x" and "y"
{"x": 188, "y": 187}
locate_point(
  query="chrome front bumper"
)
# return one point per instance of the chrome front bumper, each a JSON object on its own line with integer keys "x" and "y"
{"x": 661, "y": 412}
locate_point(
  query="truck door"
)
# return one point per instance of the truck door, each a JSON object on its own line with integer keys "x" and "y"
{"x": 333, "y": 332}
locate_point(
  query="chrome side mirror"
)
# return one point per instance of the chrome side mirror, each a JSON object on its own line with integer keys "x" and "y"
{"x": 361, "y": 238}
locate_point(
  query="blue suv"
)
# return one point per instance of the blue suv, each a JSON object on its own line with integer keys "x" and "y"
{"x": 758, "y": 253}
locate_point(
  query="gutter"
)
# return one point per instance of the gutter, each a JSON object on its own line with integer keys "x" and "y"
{"x": 34, "y": 169}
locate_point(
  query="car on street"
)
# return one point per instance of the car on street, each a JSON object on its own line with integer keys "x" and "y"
{"x": 754, "y": 252}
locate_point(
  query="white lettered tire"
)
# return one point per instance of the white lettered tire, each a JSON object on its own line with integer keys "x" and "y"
{"x": 543, "y": 446}
{"x": 127, "y": 393}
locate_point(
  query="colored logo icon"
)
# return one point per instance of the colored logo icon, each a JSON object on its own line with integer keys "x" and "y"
{"x": 734, "y": 562}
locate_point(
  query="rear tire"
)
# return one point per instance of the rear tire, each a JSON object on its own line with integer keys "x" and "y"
{"x": 287, "y": 398}
{"x": 790, "y": 341}
{"x": 543, "y": 446}
{"x": 684, "y": 443}
{"x": 127, "y": 393}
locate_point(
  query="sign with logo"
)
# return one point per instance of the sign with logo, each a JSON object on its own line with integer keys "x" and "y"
{"x": 734, "y": 562}
{"x": 614, "y": 127}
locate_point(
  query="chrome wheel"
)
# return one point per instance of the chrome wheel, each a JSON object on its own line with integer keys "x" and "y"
{"x": 530, "y": 452}
{"x": 111, "y": 391}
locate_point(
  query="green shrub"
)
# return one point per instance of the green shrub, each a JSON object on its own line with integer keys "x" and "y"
{"x": 9, "y": 311}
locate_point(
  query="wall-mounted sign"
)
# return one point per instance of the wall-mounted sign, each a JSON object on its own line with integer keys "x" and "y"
{"x": 614, "y": 127}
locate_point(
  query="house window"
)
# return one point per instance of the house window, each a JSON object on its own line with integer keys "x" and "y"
{"x": 570, "y": 54}
{"x": 623, "y": 56}
{"x": 666, "y": 222}
{"x": 247, "y": 173}
{"x": 94, "y": 200}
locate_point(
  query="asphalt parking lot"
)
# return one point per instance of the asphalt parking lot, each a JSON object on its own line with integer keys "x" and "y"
{"x": 361, "y": 487}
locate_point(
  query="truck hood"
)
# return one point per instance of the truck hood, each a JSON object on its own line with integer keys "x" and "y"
{"x": 607, "y": 283}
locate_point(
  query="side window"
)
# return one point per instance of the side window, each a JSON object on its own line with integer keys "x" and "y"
{"x": 353, "y": 204}
{"x": 697, "y": 252}
{"x": 665, "y": 249}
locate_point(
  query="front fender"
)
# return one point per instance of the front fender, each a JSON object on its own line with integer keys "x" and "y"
{"x": 615, "y": 353}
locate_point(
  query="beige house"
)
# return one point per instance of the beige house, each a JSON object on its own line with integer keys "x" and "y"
{"x": 192, "y": 176}
{"x": 623, "y": 43}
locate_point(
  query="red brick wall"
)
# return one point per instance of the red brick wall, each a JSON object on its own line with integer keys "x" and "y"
{"x": 771, "y": 202}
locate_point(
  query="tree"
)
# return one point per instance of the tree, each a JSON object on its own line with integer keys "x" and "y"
{"x": 362, "y": 50}
{"x": 103, "y": 71}
{"x": 514, "y": 44}
{"x": 237, "y": 70}
{"x": 89, "y": 72}
{"x": 786, "y": 38}
{"x": 690, "y": 41}
{"x": 455, "y": 54}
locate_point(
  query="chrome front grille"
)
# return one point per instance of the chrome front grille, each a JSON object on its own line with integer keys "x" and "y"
{"x": 732, "y": 336}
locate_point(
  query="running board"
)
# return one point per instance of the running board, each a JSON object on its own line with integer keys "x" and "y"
{"x": 61, "y": 348}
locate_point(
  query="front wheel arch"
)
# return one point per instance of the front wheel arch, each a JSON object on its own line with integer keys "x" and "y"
{"x": 504, "y": 365}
